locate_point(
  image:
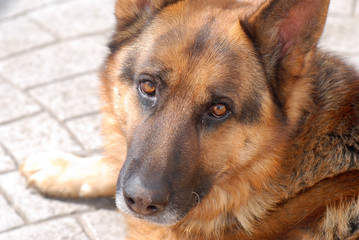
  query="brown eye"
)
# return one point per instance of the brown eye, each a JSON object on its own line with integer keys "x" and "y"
{"x": 147, "y": 88}
{"x": 219, "y": 110}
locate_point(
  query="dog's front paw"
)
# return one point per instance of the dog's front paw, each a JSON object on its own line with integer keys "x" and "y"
{"x": 61, "y": 174}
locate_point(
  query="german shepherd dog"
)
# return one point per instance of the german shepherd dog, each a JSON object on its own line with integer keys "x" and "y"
{"x": 222, "y": 120}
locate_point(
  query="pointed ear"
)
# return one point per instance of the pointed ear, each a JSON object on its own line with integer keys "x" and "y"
{"x": 132, "y": 16}
{"x": 286, "y": 31}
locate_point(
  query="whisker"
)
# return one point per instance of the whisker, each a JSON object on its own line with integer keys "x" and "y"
{"x": 198, "y": 197}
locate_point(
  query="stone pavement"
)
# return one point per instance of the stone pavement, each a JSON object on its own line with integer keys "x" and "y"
{"x": 50, "y": 52}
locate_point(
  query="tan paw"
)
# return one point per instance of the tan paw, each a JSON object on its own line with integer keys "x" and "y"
{"x": 63, "y": 175}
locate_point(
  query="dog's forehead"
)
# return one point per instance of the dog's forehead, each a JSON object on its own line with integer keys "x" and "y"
{"x": 202, "y": 49}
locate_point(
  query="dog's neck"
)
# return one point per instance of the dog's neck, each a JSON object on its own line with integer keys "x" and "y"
{"x": 324, "y": 146}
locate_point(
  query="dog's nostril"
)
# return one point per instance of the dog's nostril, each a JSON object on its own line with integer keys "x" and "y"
{"x": 139, "y": 206}
{"x": 130, "y": 201}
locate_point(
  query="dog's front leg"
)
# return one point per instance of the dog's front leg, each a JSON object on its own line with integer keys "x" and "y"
{"x": 60, "y": 174}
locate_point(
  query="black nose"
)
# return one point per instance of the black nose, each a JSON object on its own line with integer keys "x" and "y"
{"x": 145, "y": 200}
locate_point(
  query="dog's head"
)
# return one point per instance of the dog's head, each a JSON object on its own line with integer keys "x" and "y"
{"x": 204, "y": 92}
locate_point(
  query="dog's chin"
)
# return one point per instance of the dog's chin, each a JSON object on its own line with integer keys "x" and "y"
{"x": 168, "y": 217}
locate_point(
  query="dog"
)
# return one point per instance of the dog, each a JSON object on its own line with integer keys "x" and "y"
{"x": 222, "y": 120}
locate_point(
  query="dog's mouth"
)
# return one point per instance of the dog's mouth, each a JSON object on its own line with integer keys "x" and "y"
{"x": 169, "y": 213}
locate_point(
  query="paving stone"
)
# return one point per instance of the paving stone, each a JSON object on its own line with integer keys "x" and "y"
{"x": 354, "y": 60}
{"x": 59, "y": 229}
{"x": 34, "y": 206}
{"x": 341, "y": 35}
{"x": 55, "y": 61}
{"x": 77, "y": 17}
{"x": 35, "y": 134}
{"x": 10, "y": 8}
{"x": 14, "y": 103}
{"x": 87, "y": 130}
{"x": 31, "y": 36}
{"x": 341, "y": 7}
{"x": 65, "y": 102}
{"x": 8, "y": 216}
{"x": 6, "y": 163}
{"x": 104, "y": 225}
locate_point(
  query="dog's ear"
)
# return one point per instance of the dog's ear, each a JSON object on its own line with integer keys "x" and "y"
{"x": 132, "y": 16}
{"x": 286, "y": 33}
